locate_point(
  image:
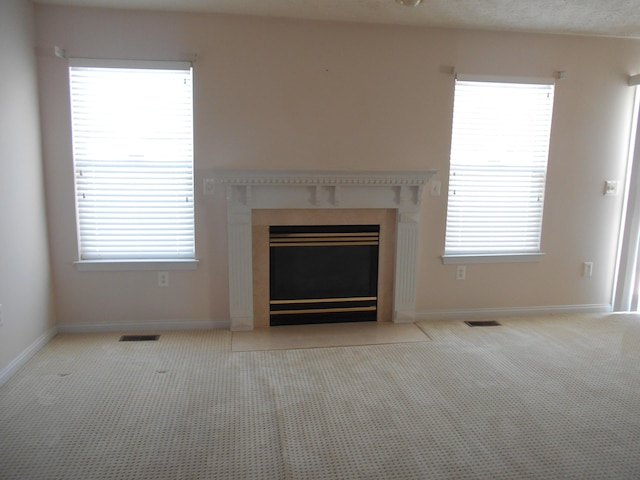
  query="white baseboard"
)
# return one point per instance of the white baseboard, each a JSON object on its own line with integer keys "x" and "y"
{"x": 26, "y": 355}
{"x": 162, "y": 325}
{"x": 512, "y": 311}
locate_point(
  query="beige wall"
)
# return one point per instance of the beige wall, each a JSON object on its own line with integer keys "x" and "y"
{"x": 296, "y": 94}
{"x": 25, "y": 291}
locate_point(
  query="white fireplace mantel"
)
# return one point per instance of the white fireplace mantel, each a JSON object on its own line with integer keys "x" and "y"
{"x": 279, "y": 189}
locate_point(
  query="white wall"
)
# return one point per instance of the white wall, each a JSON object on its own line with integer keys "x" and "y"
{"x": 25, "y": 290}
{"x": 297, "y": 94}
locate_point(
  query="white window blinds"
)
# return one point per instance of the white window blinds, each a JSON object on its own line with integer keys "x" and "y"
{"x": 499, "y": 151}
{"x": 133, "y": 156}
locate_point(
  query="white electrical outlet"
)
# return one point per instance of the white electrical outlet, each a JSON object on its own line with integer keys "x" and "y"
{"x": 461, "y": 272}
{"x": 610, "y": 188}
{"x": 587, "y": 269}
{"x": 163, "y": 279}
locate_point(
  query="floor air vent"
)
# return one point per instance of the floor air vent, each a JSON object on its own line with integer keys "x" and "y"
{"x": 139, "y": 338}
{"x": 485, "y": 323}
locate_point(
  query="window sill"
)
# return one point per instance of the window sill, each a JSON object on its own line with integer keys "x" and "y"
{"x": 515, "y": 258}
{"x": 134, "y": 265}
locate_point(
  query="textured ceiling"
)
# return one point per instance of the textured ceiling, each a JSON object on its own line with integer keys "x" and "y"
{"x": 619, "y": 18}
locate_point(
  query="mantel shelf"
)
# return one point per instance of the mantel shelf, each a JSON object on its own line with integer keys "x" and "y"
{"x": 324, "y": 177}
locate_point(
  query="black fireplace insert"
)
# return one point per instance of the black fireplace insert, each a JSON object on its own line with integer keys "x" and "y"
{"x": 323, "y": 273}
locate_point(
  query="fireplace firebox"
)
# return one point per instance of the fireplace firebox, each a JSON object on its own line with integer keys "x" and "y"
{"x": 323, "y": 273}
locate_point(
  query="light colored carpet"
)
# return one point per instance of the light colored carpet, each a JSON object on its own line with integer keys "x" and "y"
{"x": 552, "y": 398}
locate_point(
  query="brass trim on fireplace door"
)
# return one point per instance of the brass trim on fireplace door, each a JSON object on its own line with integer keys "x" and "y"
{"x": 325, "y": 310}
{"x": 324, "y": 239}
{"x": 321, "y": 300}
{"x": 337, "y": 234}
{"x": 323, "y": 244}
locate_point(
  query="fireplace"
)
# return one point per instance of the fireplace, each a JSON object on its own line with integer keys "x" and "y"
{"x": 323, "y": 274}
{"x": 312, "y": 196}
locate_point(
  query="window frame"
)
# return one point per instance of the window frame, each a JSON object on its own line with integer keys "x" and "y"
{"x": 183, "y": 261}
{"x": 506, "y": 256}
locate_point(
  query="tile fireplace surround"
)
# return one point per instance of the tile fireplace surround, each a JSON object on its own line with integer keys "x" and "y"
{"x": 249, "y": 190}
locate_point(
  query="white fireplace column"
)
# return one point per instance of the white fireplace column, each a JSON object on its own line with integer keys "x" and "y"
{"x": 274, "y": 189}
{"x": 240, "y": 271}
{"x": 404, "y": 292}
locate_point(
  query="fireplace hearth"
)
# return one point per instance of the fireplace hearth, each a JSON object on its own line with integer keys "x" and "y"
{"x": 323, "y": 273}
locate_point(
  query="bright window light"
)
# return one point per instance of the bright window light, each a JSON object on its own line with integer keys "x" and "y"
{"x": 133, "y": 157}
{"x": 499, "y": 151}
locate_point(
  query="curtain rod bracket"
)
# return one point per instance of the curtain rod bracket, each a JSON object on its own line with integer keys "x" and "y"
{"x": 59, "y": 52}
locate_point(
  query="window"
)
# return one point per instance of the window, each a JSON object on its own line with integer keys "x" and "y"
{"x": 133, "y": 156}
{"x": 499, "y": 151}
